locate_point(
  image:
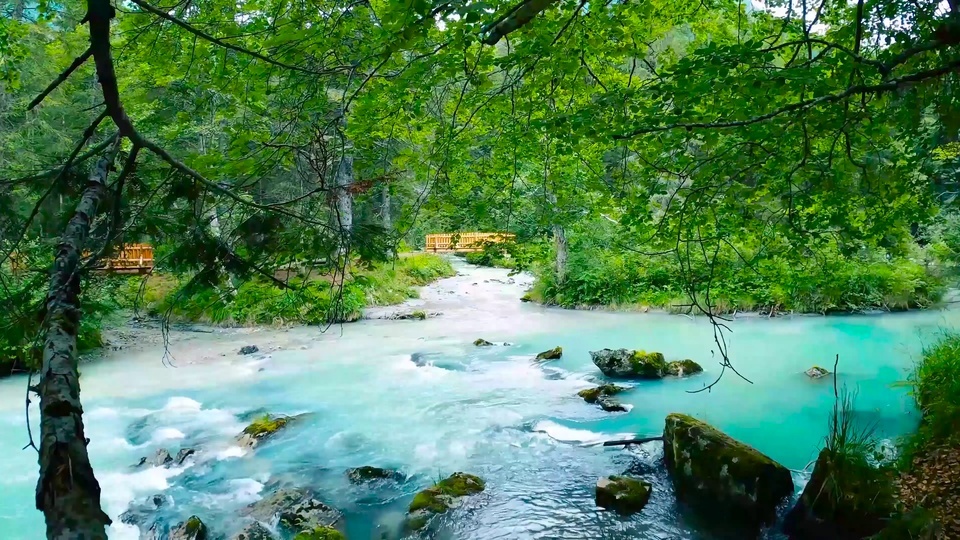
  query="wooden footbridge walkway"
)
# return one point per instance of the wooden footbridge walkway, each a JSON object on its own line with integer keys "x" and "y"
{"x": 463, "y": 242}
{"x": 129, "y": 259}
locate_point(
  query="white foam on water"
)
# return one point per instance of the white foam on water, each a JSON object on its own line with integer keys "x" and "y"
{"x": 230, "y": 452}
{"x": 120, "y": 489}
{"x": 181, "y": 404}
{"x": 572, "y": 435}
{"x": 166, "y": 434}
{"x": 242, "y": 491}
{"x": 122, "y": 531}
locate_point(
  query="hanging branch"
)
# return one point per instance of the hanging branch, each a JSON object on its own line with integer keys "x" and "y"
{"x": 59, "y": 80}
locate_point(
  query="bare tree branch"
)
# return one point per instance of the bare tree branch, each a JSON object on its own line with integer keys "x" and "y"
{"x": 60, "y": 78}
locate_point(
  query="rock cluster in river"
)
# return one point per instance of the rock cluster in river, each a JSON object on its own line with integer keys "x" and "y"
{"x": 442, "y": 496}
{"x": 622, "y": 494}
{"x": 716, "y": 474}
{"x": 602, "y": 396}
{"x": 295, "y": 510}
{"x": 628, "y": 364}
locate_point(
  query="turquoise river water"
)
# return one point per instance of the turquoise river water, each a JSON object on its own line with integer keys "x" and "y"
{"x": 489, "y": 411}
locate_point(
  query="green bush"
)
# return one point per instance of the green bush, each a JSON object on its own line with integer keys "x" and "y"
{"x": 936, "y": 387}
{"x": 305, "y": 301}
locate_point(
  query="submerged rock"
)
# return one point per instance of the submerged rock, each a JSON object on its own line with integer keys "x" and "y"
{"x": 625, "y": 363}
{"x": 141, "y": 513}
{"x": 254, "y": 531}
{"x": 552, "y": 354}
{"x": 682, "y": 368}
{"x": 162, "y": 457}
{"x": 191, "y": 529}
{"x": 846, "y": 498}
{"x": 183, "y": 454}
{"x": 416, "y": 315}
{"x": 248, "y": 349}
{"x": 712, "y": 472}
{"x": 591, "y": 395}
{"x": 295, "y": 509}
{"x": 440, "y": 497}
{"x": 320, "y": 533}
{"x": 364, "y": 474}
{"x": 622, "y": 494}
{"x": 816, "y": 372}
{"x": 263, "y": 428}
{"x": 480, "y": 342}
{"x": 610, "y": 404}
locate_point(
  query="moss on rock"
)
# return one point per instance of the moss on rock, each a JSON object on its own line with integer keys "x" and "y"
{"x": 681, "y": 368}
{"x": 552, "y": 354}
{"x": 591, "y": 395}
{"x": 191, "y": 529}
{"x": 266, "y": 425}
{"x": 320, "y": 533}
{"x": 714, "y": 473}
{"x": 648, "y": 365}
{"x": 622, "y": 494}
{"x": 480, "y": 342}
{"x": 440, "y": 497}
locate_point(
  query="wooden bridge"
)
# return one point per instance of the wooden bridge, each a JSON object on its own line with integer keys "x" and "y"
{"x": 463, "y": 242}
{"x": 130, "y": 259}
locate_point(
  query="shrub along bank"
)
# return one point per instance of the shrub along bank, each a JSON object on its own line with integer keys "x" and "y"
{"x": 307, "y": 300}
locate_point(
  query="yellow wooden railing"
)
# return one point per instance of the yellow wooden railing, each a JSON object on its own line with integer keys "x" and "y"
{"x": 463, "y": 242}
{"x": 130, "y": 259}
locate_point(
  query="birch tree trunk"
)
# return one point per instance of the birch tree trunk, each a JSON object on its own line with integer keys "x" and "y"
{"x": 385, "y": 219}
{"x": 560, "y": 245}
{"x": 68, "y": 494}
{"x": 343, "y": 184}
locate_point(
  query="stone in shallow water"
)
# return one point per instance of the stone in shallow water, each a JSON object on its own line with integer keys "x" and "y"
{"x": 552, "y": 354}
{"x": 622, "y": 494}
{"x": 295, "y": 509}
{"x": 816, "y": 372}
{"x": 682, "y": 368}
{"x": 716, "y": 474}
{"x": 625, "y": 363}
{"x": 610, "y": 404}
{"x": 162, "y": 457}
{"x": 591, "y": 395}
{"x": 320, "y": 533}
{"x": 480, "y": 342}
{"x": 249, "y": 349}
{"x": 360, "y": 475}
{"x": 263, "y": 428}
{"x": 254, "y": 531}
{"x": 440, "y": 497}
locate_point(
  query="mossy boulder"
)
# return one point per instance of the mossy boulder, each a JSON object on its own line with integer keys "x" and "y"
{"x": 682, "y": 368}
{"x": 625, "y": 363}
{"x": 846, "y": 498}
{"x": 713, "y": 473}
{"x": 480, "y": 342}
{"x": 320, "y": 533}
{"x": 263, "y": 428}
{"x": 361, "y": 475}
{"x": 591, "y": 395}
{"x": 191, "y": 529}
{"x": 817, "y": 372}
{"x": 552, "y": 354}
{"x": 442, "y": 496}
{"x": 622, "y": 494}
{"x": 610, "y": 404}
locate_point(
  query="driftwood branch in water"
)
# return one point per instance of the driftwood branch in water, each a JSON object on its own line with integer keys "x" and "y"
{"x": 633, "y": 441}
{"x": 516, "y": 18}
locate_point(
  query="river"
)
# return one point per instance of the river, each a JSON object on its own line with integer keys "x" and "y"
{"x": 490, "y": 411}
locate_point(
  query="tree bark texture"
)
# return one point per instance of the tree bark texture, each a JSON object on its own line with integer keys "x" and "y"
{"x": 560, "y": 244}
{"x": 343, "y": 180}
{"x": 68, "y": 494}
{"x": 385, "y": 203}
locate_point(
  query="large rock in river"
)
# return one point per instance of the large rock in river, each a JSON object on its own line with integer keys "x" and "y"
{"x": 682, "y": 368}
{"x": 552, "y": 354}
{"x": 714, "y": 473}
{"x": 442, "y": 496}
{"x": 846, "y": 498}
{"x": 622, "y": 494}
{"x": 361, "y": 475}
{"x": 592, "y": 395}
{"x": 295, "y": 510}
{"x": 263, "y": 428}
{"x": 191, "y": 529}
{"x": 625, "y": 363}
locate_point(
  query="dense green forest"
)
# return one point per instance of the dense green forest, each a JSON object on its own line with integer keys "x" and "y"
{"x": 705, "y": 157}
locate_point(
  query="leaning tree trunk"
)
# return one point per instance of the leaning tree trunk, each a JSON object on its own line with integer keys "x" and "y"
{"x": 68, "y": 494}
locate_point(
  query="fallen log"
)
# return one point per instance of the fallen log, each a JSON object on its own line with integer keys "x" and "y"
{"x": 633, "y": 441}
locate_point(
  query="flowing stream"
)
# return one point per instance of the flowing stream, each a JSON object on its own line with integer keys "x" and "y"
{"x": 419, "y": 397}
